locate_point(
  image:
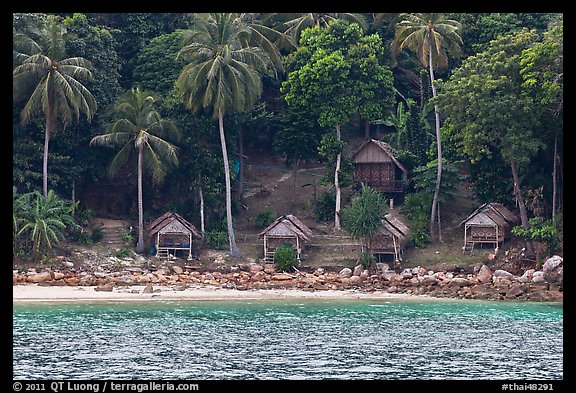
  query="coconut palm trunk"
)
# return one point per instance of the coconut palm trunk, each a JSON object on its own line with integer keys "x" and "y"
{"x": 45, "y": 158}
{"x": 439, "y": 153}
{"x": 521, "y": 205}
{"x": 234, "y": 250}
{"x": 337, "y": 183}
{"x": 140, "y": 244}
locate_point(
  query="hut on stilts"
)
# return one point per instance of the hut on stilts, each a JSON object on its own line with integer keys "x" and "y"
{"x": 491, "y": 223}
{"x": 390, "y": 239}
{"x": 286, "y": 230}
{"x": 376, "y": 166}
{"x": 172, "y": 233}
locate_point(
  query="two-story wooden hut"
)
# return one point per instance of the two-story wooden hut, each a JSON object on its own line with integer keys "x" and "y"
{"x": 286, "y": 230}
{"x": 171, "y": 234}
{"x": 390, "y": 239}
{"x": 375, "y": 166}
{"x": 491, "y": 223}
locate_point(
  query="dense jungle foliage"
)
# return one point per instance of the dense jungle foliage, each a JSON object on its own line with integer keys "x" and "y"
{"x": 155, "y": 110}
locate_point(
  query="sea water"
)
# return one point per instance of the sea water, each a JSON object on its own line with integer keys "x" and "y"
{"x": 288, "y": 339}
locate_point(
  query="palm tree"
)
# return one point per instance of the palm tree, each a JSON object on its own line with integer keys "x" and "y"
{"x": 432, "y": 38}
{"x": 42, "y": 218}
{"x": 222, "y": 75}
{"x": 299, "y": 22}
{"x": 139, "y": 128}
{"x": 50, "y": 83}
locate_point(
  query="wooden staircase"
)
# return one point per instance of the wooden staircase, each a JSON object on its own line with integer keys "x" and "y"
{"x": 468, "y": 248}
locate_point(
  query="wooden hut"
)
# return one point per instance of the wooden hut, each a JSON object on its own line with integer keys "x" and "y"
{"x": 286, "y": 230}
{"x": 376, "y": 167}
{"x": 491, "y": 223}
{"x": 172, "y": 233}
{"x": 390, "y": 238}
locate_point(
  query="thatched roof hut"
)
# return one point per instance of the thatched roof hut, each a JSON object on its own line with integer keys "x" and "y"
{"x": 285, "y": 230}
{"x": 172, "y": 233}
{"x": 376, "y": 166}
{"x": 390, "y": 238}
{"x": 490, "y": 223}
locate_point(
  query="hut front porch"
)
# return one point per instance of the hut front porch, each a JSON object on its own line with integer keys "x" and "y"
{"x": 481, "y": 234}
{"x": 273, "y": 242}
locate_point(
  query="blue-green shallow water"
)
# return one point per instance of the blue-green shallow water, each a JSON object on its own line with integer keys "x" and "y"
{"x": 288, "y": 340}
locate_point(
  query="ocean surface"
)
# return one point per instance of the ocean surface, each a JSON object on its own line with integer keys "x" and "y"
{"x": 289, "y": 339}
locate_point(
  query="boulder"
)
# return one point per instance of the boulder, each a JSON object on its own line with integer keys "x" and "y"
{"x": 460, "y": 282}
{"x": 148, "y": 289}
{"x": 357, "y": 270}
{"x": 382, "y": 267}
{"x": 526, "y": 277}
{"x": 346, "y": 273}
{"x": 177, "y": 269}
{"x": 538, "y": 278}
{"x": 355, "y": 280}
{"x": 484, "y": 274}
{"x": 254, "y": 268}
{"x": 104, "y": 288}
{"x": 281, "y": 277}
{"x": 39, "y": 277}
{"x": 515, "y": 291}
{"x": 552, "y": 264}
{"x": 553, "y": 270}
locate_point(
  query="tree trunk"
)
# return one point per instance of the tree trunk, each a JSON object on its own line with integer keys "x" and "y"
{"x": 234, "y": 250}
{"x": 47, "y": 134}
{"x": 439, "y": 150}
{"x": 521, "y": 205}
{"x": 241, "y": 171}
{"x": 202, "y": 227}
{"x": 294, "y": 183}
{"x": 554, "y": 178}
{"x": 337, "y": 183}
{"x": 140, "y": 244}
{"x": 366, "y": 129}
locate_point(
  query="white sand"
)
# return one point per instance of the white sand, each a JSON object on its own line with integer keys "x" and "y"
{"x": 33, "y": 292}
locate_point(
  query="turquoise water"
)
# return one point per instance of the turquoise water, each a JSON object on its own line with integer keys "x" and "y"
{"x": 312, "y": 339}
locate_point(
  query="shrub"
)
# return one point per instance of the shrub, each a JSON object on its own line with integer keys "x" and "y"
{"x": 285, "y": 258}
{"x": 325, "y": 206}
{"x": 542, "y": 231}
{"x": 416, "y": 208}
{"x": 79, "y": 236}
{"x": 124, "y": 253}
{"x": 97, "y": 234}
{"x": 217, "y": 240}
{"x": 367, "y": 259}
{"x": 128, "y": 238}
{"x": 265, "y": 218}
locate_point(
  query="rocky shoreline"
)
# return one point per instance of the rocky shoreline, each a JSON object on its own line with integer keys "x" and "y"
{"x": 484, "y": 284}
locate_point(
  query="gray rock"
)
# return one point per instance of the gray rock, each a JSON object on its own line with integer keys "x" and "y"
{"x": 346, "y": 272}
{"x": 382, "y": 267}
{"x": 460, "y": 281}
{"x": 148, "y": 289}
{"x": 526, "y": 277}
{"x": 552, "y": 264}
{"x": 553, "y": 270}
{"x": 538, "y": 277}
{"x": 357, "y": 270}
{"x": 503, "y": 274}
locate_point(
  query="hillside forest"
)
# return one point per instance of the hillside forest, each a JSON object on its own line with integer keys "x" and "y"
{"x": 130, "y": 115}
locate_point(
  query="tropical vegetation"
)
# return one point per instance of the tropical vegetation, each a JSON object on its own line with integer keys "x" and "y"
{"x": 454, "y": 94}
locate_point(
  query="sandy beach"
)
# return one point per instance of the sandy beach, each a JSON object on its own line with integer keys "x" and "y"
{"x": 35, "y": 293}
